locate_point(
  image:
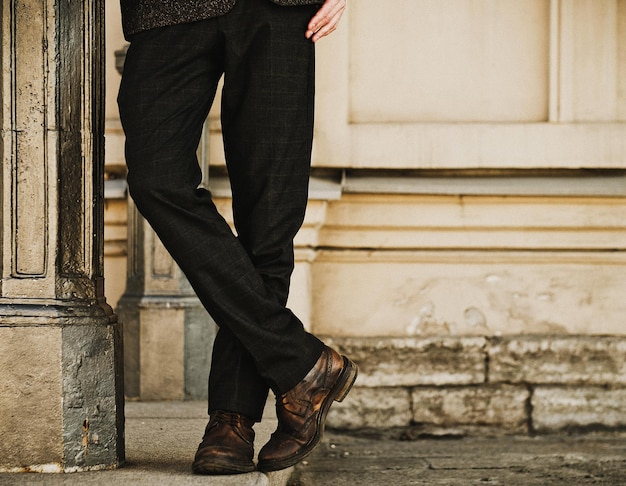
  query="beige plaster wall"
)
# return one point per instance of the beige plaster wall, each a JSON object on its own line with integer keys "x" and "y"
{"x": 440, "y": 265}
{"x": 455, "y": 85}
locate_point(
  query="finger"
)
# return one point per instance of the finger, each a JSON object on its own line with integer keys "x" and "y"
{"x": 329, "y": 13}
{"x": 328, "y": 28}
{"x": 324, "y": 29}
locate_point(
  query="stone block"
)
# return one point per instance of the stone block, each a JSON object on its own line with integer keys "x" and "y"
{"x": 565, "y": 360}
{"x": 93, "y": 418}
{"x": 557, "y": 408}
{"x": 496, "y": 406}
{"x": 30, "y": 384}
{"x": 168, "y": 344}
{"x": 385, "y": 362}
{"x": 372, "y": 408}
{"x": 162, "y": 360}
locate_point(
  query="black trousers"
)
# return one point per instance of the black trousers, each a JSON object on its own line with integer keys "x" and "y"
{"x": 169, "y": 83}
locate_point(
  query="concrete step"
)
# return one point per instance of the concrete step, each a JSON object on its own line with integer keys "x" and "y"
{"x": 161, "y": 440}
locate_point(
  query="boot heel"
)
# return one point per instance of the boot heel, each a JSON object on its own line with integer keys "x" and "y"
{"x": 347, "y": 379}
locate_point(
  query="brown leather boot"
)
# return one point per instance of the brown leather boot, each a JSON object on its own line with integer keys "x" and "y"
{"x": 227, "y": 446}
{"x": 302, "y": 411}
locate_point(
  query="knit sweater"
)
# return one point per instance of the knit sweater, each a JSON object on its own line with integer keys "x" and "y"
{"x": 138, "y": 15}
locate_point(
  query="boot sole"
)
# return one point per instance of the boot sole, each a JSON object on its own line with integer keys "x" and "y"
{"x": 217, "y": 469}
{"x": 338, "y": 392}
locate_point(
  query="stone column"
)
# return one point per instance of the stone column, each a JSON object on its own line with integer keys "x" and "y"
{"x": 61, "y": 401}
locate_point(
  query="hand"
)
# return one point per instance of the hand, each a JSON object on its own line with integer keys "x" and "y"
{"x": 326, "y": 19}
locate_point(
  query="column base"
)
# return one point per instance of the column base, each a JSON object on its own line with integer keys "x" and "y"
{"x": 168, "y": 342}
{"x": 61, "y": 390}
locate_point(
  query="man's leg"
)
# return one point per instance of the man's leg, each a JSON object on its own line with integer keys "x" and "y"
{"x": 267, "y": 122}
{"x": 166, "y": 92}
{"x": 161, "y": 105}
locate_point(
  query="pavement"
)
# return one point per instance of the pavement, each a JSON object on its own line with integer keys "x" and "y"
{"x": 512, "y": 461}
{"x": 161, "y": 439}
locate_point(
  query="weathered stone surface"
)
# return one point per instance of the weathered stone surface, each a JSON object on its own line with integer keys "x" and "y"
{"x": 515, "y": 366}
{"x": 162, "y": 354}
{"x": 93, "y": 418}
{"x": 556, "y": 408}
{"x": 30, "y": 383}
{"x": 363, "y": 289}
{"x": 595, "y": 360}
{"x": 500, "y": 406}
{"x": 372, "y": 407}
{"x": 385, "y": 362}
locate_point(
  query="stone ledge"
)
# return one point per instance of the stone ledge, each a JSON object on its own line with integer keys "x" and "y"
{"x": 502, "y": 406}
{"x": 448, "y": 409}
{"x": 578, "y": 408}
{"x": 372, "y": 408}
{"x": 463, "y": 360}
{"x": 415, "y": 361}
{"x": 510, "y": 385}
{"x": 584, "y": 360}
